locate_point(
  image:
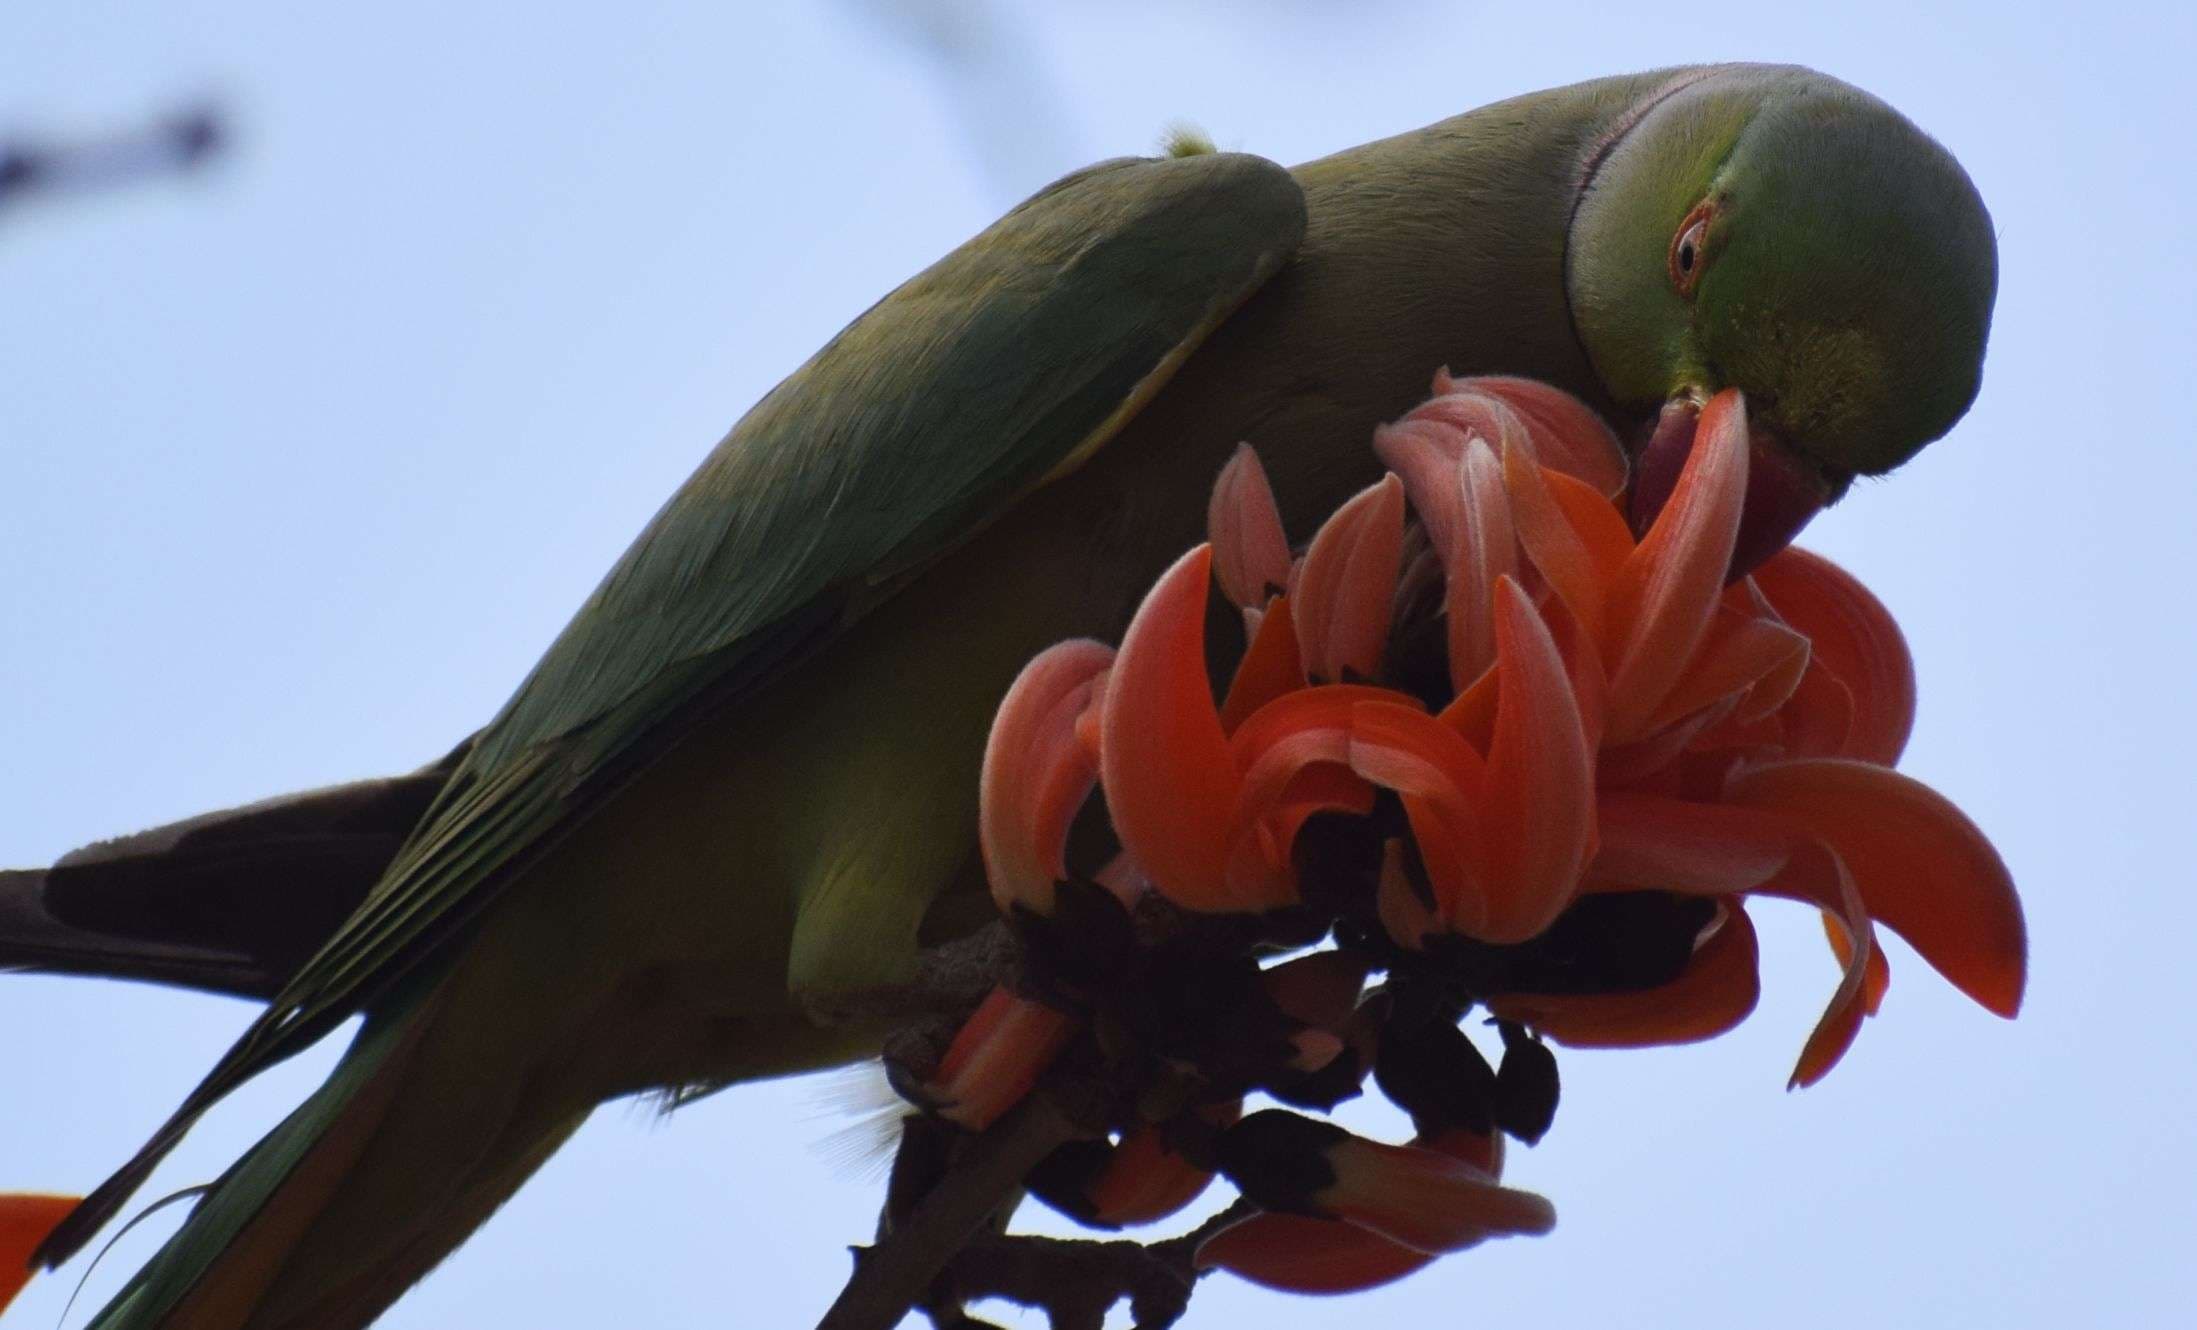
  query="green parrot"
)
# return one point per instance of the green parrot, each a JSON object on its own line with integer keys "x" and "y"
{"x": 739, "y": 791}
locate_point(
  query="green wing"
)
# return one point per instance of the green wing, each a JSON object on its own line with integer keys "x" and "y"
{"x": 1000, "y": 367}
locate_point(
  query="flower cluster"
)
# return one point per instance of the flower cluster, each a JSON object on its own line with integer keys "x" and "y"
{"x": 1511, "y": 756}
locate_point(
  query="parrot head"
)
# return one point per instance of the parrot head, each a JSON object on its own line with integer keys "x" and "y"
{"x": 1777, "y": 231}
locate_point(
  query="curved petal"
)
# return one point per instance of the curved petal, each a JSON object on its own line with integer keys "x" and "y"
{"x": 1301, "y": 1254}
{"x": 1293, "y": 753}
{"x": 1270, "y": 665}
{"x": 1170, "y": 780}
{"x": 1818, "y": 875}
{"x": 1879, "y": 980}
{"x": 1649, "y": 842}
{"x": 1921, "y": 866}
{"x": 1856, "y": 639}
{"x": 1250, "y": 551}
{"x": 1553, "y": 545}
{"x": 1483, "y": 549}
{"x": 1348, "y": 586}
{"x": 1539, "y": 808}
{"x": 1717, "y": 990}
{"x": 1037, "y": 773}
{"x": 1662, "y": 600}
{"x": 1441, "y": 779}
{"x": 1423, "y": 1199}
{"x": 997, "y": 1056}
{"x": 1145, "y": 1180}
{"x": 1425, "y": 455}
{"x": 1568, "y": 435}
{"x": 1735, "y": 657}
{"x": 1406, "y": 917}
{"x": 1818, "y": 720}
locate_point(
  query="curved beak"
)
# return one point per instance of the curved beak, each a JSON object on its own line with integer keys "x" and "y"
{"x": 1784, "y": 489}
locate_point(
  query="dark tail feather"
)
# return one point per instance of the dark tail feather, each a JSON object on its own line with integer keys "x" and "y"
{"x": 32, "y": 939}
{"x": 230, "y": 902}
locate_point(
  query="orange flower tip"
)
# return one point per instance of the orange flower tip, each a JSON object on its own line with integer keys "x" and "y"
{"x": 1425, "y": 1200}
{"x": 1346, "y": 592}
{"x": 1300, "y": 1254}
{"x": 1171, "y": 781}
{"x": 997, "y": 1057}
{"x": 1919, "y": 865}
{"x": 1037, "y": 773}
{"x": 25, "y": 1220}
{"x": 1784, "y": 489}
{"x": 1250, "y": 550}
{"x": 1568, "y": 435}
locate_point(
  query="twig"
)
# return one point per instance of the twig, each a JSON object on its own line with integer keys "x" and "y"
{"x": 1075, "y": 1281}
{"x": 174, "y": 143}
{"x": 889, "y": 1278}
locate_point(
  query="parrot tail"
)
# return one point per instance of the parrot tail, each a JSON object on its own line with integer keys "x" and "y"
{"x": 229, "y": 902}
{"x": 427, "y": 1125}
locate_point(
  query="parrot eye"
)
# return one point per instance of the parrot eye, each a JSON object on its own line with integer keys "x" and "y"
{"x": 1689, "y": 248}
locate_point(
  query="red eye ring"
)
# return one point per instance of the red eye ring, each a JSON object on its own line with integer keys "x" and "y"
{"x": 1690, "y": 248}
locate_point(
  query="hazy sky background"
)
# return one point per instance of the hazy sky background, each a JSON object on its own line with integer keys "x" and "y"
{"x": 305, "y": 459}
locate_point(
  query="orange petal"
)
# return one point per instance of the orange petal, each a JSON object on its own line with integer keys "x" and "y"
{"x": 1818, "y": 720}
{"x": 1649, "y": 842}
{"x": 1406, "y": 918}
{"x": 1037, "y": 773}
{"x": 1842, "y": 904}
{"x": 1539, "y": 808}
{"x": 1145, "y": 1181}
{"x": 1721, "y": 849}
{"x": 1424, "y": 1199}
{"x": 1425, "y": 455}
{"x": 1300, "y": 1254}
{"x": 1856, "y": 639}
{"x": 1441, "y": 779}
{"x": 1594, "y": 519}
{"x": 1568, "y": 436}
{"x": 1293, "y": 753}
{"x": 997, "y": 1057}
{"x": 1485, "y": 548}
{"x": 1662, "y": 600}
{"x": 1270, "y": 665}
{"x": 1553, "y": 544}
{"x": 1250, "y": 552}
{"x": 1347, "y": 588}
{"x": 25, "y": 1220}
{"x": 1879, "y": 981}
{"x": 1921, "y": 866}
{"x": 1737, "y": 656}
{"x": 1716, "y": 991}
{"x": 1170, "y": 781}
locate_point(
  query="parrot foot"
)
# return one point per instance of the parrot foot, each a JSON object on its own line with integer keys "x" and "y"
{"x": 950, "y": 979}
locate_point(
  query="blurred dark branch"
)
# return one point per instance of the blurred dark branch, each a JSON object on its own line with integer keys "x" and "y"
{"x": 170, "y": 145}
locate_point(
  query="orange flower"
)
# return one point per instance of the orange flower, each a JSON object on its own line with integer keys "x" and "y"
{"x": 25, "y": 1220}
{"x": 1558, "y": 819}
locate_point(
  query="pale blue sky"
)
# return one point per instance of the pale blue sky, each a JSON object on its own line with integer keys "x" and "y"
{"x": 304, "y": 460}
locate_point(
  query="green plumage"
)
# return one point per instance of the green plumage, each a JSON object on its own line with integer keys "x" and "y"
{"x": 731, "y": 791}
